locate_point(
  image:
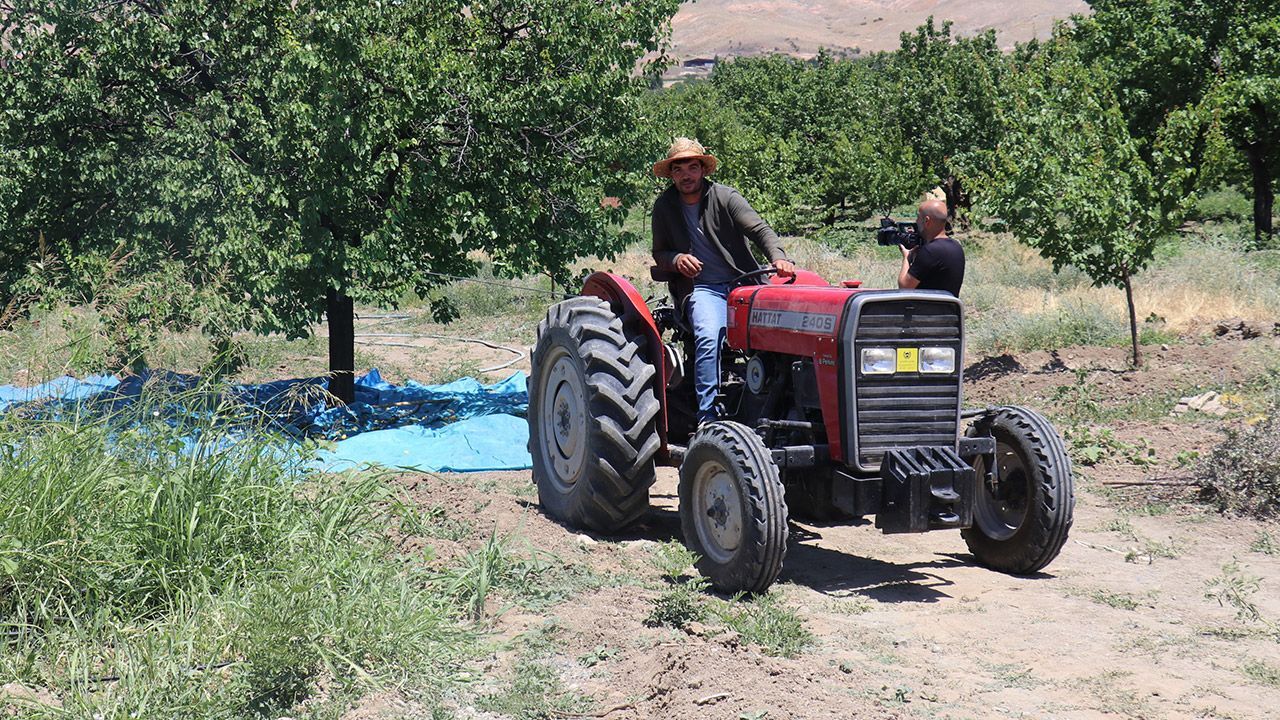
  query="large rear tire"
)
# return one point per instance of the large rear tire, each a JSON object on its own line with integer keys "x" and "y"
{"x": 1021, "y": 520}
{"x": 732, "y": 508}
{"x": 592, "y": 418}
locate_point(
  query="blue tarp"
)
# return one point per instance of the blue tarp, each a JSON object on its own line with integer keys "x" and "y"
{"x": 460, "y": 426}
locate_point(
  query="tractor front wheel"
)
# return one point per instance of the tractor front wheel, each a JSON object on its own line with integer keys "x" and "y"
{"x": 732, "y": 508}
{"x": 592, "y": 415}
{"x": 1023, "y": 509}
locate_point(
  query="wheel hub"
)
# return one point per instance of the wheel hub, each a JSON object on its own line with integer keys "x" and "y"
{"x": 1001, "y": 507}
{"x": 564, "y": 418}
{"x": 718, "y": 508}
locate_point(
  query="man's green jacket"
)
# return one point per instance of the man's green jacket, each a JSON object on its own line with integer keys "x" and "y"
{"x": 727, "y": 221}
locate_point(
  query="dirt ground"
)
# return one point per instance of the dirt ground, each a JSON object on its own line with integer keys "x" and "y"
{"x": 1121, "y": 624}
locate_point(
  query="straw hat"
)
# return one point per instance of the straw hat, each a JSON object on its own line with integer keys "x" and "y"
{"x": 683, "y": 148}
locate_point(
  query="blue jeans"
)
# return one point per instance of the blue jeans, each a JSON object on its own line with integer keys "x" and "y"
{"x": 708, "y": 309}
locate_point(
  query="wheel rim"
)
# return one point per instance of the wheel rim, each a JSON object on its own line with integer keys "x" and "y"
{"x": 1001, "y": 504}
{"x": 564, "y": 419}
{"x": 717, "y": 508}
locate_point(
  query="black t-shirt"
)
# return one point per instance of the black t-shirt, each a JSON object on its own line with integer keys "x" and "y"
{"x": 939, "y": 265}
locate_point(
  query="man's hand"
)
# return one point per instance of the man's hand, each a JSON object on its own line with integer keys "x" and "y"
{"x": 785, "y": 268}
{"x": 688, "y": 265}
{"x": 908, "y": 255}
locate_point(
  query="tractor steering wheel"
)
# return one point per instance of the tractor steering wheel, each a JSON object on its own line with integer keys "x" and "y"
{"x": 766, "y": 270}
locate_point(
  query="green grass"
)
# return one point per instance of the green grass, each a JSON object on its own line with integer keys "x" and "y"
{"x": 145, "y": 576}
{"x": 762, "y": 619}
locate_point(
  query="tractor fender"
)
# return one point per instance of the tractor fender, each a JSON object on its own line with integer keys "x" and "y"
{"x": 637, "y": 322}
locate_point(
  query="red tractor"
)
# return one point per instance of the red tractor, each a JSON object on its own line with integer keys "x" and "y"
{"x": 839, "y": 402}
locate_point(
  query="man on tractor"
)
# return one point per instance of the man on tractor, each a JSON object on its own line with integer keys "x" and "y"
{"x": 700, "y": 229}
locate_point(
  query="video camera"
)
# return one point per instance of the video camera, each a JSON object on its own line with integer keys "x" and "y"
{"x": 892, "y": 232}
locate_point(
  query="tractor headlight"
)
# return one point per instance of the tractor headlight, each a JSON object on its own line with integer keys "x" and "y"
{"x": 938, "y": 360}
{"x": 878, "y": 361}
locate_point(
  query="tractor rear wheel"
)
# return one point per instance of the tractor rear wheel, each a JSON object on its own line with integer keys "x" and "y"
{"x": 592, "y": 418}
{"x": 1022, "y": 514}
{"x": 732, "y": 508}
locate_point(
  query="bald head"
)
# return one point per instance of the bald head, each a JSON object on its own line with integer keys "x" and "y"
{"x": 931, "y": 219}
{"x": 935, "y": 209}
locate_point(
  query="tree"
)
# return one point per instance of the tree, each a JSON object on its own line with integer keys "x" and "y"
{"x": 869, "y": 170}
{"x": 943, "y": 93}
{"x": 1067, "y": 178}
{"x": 1246, "y": 103}
{"x": 1215, "y": 55}
{"x": 309, "y": 155}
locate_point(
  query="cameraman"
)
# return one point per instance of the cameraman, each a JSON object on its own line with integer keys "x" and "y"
{"x": 938, "y": 262}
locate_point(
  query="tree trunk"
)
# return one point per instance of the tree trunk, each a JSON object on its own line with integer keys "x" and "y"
{"x": 342, "y": 345}
{"x": 1133, "y": 320}
{"x": 956, "y": 198}
{"x": 1263, "y": 197}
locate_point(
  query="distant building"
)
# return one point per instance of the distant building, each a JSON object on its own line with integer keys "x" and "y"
{"x": 698, "y": 64}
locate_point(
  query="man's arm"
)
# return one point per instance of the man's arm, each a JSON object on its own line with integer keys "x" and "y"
{"x": 907, "y": 281}
{"x": 749, "y": 222}
{"x": 663, "y": 252}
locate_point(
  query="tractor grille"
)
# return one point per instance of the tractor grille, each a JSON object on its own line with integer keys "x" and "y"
{"x": 906, "y": 409}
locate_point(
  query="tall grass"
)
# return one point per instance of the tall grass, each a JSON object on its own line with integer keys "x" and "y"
{"x": 157, "y": 568}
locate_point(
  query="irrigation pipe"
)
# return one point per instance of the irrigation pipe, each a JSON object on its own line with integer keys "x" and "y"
{"x": 496, "y": 283}
{"x": 519, "y": 354}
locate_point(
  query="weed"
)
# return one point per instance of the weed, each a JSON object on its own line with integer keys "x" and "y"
{"x": 1151, "y": 550}
{"x": 1091, "y": 445}
{"x": 677, "y": 607}
{"x": 1233, "y": 588}
{"x": 684, "y": 601}
{"x": 1015, "y": 676}
{"x": 673, "y": 560}
{"x": 598, "y": 654}
{"x": 1261, "y": 673}
{"x": 1242, "y": 474}
{"x": 1079, "y": 400}
{"x": 1186, "y": 458}
{"x": 763, "y": 620}
{"x": 1113, "y": 698}
{"x": 534, "y": 580}
{"x": 1122, "y": 526}
{"x": 1119, "y": 601}
{"x": 1265, "y": 544}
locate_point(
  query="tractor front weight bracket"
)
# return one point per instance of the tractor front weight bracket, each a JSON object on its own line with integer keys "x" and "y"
{"x": 925, "y": 488}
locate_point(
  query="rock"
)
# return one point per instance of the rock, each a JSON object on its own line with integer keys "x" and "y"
{"x": 639, "y": 544}
{"x": 696, "y": 628}
{"x": 1164, "y": 347}
{"x": 1197, "y": 402}
{"x": 1215, "y": 407}
{"x": 729, "y": 638}
{"x": 1236, "y": 329}
{"x": 586, "y": 539}
{"x": 1209, "y": 403}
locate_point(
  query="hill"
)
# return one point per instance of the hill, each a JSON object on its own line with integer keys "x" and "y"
{"x": 726, "y": 28}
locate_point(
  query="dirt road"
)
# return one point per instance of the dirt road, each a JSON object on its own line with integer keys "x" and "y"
{"x": 1143, "y": 615}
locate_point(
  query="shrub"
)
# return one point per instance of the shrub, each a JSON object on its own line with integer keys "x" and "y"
{"x": 1242, "y": 474}
{"x": 1225, "y": 203}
